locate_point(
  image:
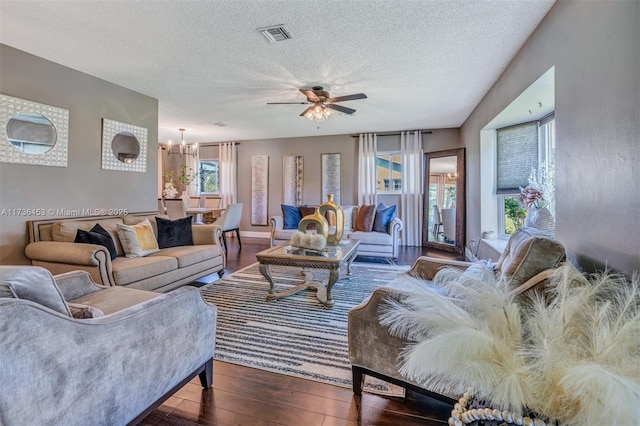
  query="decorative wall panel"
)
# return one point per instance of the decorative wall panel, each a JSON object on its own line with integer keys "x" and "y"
{"x": 331, "y": 183}
{"x": 259, "y": 189}
{"x": 292, "y": 179}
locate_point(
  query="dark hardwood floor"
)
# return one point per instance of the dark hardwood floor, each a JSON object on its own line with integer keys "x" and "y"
{"x": 248, "y": 396}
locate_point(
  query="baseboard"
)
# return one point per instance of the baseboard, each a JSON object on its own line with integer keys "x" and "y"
{"x": 255, "y": 234}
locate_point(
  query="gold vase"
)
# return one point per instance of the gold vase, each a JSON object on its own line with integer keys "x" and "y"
{"x": 331, "y": 206}
{"x": 322, "y": 226}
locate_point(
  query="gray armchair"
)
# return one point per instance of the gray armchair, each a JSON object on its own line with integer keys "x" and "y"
{"x": 130, "y": 351}
{"x": 527, "y": 263}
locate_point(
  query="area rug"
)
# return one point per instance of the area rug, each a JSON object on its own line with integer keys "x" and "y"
{"x": 295, "y": 335}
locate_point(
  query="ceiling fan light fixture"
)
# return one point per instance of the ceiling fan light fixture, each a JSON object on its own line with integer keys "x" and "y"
{"x": 318, "y": 113}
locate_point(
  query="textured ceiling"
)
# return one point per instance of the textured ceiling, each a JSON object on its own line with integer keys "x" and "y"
{"x": 422, "y": 64}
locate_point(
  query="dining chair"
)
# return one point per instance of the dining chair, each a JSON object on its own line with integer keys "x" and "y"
{"x": 175, "y": 208}
{"x": 161, "y": 207}
{"x": 437, "y": 222}
{"x": 230, "y": 221}
{"x": 212, "y": 202}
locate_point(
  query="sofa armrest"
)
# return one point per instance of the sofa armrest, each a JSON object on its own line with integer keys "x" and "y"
{"x": 66, "y": 252}
{"x": 206, "y": 234}
{"x": 76, "y": 284}
{"x": 276, "y": 223}
{"x": 154, "y": 345}
{"x": 426, "y": 267}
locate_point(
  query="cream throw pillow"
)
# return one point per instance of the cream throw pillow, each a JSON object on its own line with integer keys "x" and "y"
{"x": 137, "y": 240}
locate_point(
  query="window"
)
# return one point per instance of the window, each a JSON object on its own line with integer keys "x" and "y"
{"x": 520, "y": 145}
{"x": 209, "y": 177}
{"x": 389, "y": 172}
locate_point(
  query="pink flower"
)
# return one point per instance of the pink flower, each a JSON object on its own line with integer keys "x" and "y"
{"x": 531, "y": 197}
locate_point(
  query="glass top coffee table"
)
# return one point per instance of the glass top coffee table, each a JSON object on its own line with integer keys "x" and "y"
{"x": 286, "y": 255}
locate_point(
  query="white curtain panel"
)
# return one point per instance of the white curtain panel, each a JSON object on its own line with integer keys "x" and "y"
{"x": 228, "y": 173}
{"x": 367, "y": 147}
{"x": 411, "y": 194}
{"x": 193, "y": 166}
{"x": 160, "y": 172}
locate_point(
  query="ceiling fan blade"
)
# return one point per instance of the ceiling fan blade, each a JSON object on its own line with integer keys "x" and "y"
{"x": 341, "y": 108}
{"x": 287, "y": 103}
{"x": 311, "y": 96}
{"x": 307, "y": 110}
{"x": 349, "y": 97}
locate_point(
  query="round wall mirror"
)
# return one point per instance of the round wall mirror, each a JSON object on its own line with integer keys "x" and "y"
{"x": 125, "y": 147}
{"x": 31, "y": 133}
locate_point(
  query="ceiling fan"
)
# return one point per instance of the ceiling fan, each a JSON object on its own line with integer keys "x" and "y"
{"x": 323, "y": 103}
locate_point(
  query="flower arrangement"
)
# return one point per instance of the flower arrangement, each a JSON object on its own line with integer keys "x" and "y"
{"x": 169, "y": 191}
{"x": 541, "y": 181}
{"x": 570, "y": 356}
{"x": 185, "y": 176}
{"x": 308, "y": 241}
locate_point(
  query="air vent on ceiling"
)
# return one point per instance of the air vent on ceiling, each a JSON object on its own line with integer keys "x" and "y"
{"x": 276, "y": 33}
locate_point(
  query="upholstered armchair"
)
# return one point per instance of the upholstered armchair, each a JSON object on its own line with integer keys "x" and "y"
{"x": 527, "y": 262}
{"x": 77, "y": 353}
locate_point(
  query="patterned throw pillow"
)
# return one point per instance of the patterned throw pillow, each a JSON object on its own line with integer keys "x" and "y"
{"x": 137, "y": 240}
{"x": 365, "y": 217}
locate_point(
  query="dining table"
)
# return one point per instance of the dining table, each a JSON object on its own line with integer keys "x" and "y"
{"x": 205, "y": 214}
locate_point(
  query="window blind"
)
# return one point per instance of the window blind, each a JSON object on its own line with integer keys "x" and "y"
{"x": 517, "y": 153}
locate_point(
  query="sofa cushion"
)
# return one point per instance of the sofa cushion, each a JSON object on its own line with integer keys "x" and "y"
{"x": 189, "y": 255}
{"x": 173, "y": 233}
{"x": 371, "y": 238}
{"x": 528, "y": 253}
{"x": 283, "y": 234}
{"x": 291, "y": 216}
{"x": 348, "y": 217}
{"x": 137, "y": 240}
{"x": 97, "y": 235}
{"x": 130, "y": 270}
{"x": 114, "y": 299}
{"x": 365, "y": 217}
{"x": 384, "y": 215}
{"x": 35, "y": 284}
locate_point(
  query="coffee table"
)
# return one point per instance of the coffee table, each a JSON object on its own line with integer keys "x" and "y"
{"x": 286, "y": 255}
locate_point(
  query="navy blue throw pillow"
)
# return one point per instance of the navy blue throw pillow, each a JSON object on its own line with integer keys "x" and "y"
{"x": 174, "y": 233}
{"x": 97, "y": 235}
{"x": 384, "y": 215}
{"x": 291, "y": 216}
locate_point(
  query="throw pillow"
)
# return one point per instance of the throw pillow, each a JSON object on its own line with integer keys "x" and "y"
{"x": 137, "y": 240}
{"x": 365, "y": 217}
{"x": 36, "y": 284}
{"x": 384, "y": 215}
{"x": 290, "y": 216}
{"x": 306, "y": 211}
{"x": 80, "y": 311}
{"x": 97, "y": 235}
{"x": 7, "y": 291}
{"x": 173, "y": 233}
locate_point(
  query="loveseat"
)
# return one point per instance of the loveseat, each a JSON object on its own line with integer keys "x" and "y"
{"x": 374, "y": 244}
{"x": 60, "y": 366}
{"x": 52, "y": 247}
{"x": 528, "y": 261}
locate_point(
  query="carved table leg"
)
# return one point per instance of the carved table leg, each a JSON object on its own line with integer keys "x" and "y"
{"x": 264, "y": 270}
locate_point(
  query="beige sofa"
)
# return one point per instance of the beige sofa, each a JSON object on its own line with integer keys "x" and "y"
{"x": 51, "y": 246}
{"x": 374, "y": 244}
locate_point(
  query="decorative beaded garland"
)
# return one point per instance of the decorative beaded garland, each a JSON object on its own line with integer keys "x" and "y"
{"x": 469, "y": 412}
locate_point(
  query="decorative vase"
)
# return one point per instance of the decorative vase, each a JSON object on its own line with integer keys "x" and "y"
{"x": 331, "y": 206}
{"x": 542, "y": 219}
{"x": 169, "y": 191}
{"x": 322, "y": 226}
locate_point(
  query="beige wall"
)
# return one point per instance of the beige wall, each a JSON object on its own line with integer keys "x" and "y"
{"x": 82, "y": 184}
{"x": 311, "y": 148}
{"x": 595, "y": 47}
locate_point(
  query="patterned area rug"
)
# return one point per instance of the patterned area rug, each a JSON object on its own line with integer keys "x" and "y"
{"x": 295, "y": 335}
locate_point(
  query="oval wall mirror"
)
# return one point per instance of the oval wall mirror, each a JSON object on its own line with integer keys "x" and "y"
{"x": 125, "y": 147}
{"x": 31, "y": 133}
{"x": 444, "y": 201}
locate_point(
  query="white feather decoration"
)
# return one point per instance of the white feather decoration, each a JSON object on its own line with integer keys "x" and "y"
{"x": 571, "y": 355}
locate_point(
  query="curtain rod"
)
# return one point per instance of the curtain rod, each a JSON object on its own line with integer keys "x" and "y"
{"x": 428, "y": 132}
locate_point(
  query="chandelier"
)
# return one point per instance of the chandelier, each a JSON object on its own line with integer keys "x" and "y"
{"x": 318, "y": 113}
{"x": 185, "y": 148}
